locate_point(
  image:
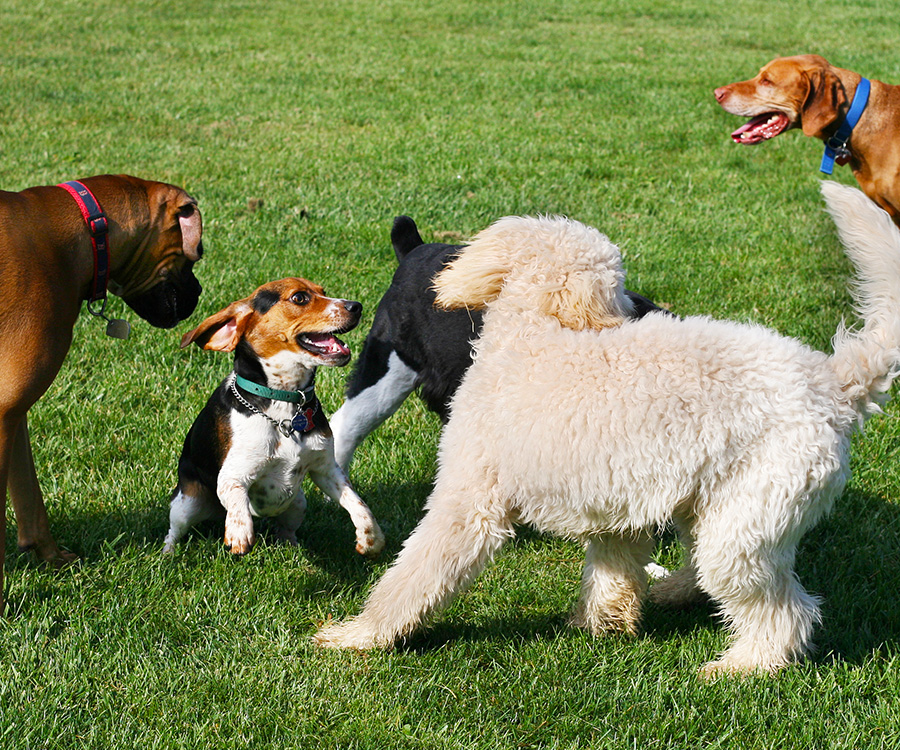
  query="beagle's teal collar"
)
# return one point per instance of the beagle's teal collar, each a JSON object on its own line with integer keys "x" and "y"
{"x": 302, "y": 397}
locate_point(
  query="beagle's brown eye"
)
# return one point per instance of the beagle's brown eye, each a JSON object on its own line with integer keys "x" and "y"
{"x": 300, "y": 298}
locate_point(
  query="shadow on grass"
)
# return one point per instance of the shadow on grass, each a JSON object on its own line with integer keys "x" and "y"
{"x": 851, "y": 559}
{"x": 326, "y": 538}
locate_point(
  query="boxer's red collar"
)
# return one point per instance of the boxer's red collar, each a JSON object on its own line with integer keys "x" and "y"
{"x": 98, "y": 226}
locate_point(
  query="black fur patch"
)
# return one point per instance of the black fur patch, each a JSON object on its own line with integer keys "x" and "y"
{"x": 265, "y": 300}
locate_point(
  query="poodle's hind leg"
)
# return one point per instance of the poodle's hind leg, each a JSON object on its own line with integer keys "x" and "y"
{"x": 613, "y": 583}
{"x": 770, "y": 614}
{"x": 448, "y": 548}
{"x": 679, "y": 589}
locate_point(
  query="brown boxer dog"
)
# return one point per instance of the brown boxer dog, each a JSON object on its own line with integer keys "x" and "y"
{"x": 47, "y": 269}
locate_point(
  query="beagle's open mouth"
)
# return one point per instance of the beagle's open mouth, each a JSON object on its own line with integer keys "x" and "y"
{"x": 325, "y": 345}
{"x": 761, "y": 128}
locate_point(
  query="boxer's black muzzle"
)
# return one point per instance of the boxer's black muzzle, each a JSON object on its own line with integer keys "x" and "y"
{"x": 169, "y": 302}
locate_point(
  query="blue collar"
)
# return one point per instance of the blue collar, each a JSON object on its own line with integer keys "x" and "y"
{"x": 836, "y": 146}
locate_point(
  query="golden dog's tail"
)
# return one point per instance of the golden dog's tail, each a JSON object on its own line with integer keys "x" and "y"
{"x": 868, "y": 359}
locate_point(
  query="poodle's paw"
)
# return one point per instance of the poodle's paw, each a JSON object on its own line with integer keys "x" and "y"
{"x": 624, "y": 618}
{"x": 724, "y": 667}
{"x": 677, "y": 589}
{"x": 347, "y": 634}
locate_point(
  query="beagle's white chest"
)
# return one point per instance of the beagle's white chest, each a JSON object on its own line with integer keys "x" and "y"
{"x": 268, "y": 463}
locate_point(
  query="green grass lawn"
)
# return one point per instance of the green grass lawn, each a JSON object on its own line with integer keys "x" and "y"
{"x": 303, "y": 127}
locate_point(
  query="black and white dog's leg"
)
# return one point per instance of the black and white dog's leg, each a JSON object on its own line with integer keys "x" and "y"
{"x": 333, "y": 482}
{"x": 370, "y": 402}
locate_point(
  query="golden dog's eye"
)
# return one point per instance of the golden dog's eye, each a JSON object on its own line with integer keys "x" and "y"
{"x": 300, "y": 298}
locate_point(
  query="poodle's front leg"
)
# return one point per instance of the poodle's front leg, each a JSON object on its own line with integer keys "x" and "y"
{"x": 443, "y": 555}
{"x": 613, "y": 583}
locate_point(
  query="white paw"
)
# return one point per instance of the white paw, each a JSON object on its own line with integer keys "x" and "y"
{"x": 656, "y": 572}
{"x": 370, "y": 540}
{"x": 239, "y": 534}
{"x": 346, "y": 634}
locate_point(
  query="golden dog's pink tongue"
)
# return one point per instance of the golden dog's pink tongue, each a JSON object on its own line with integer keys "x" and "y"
{"x": 761, "y": 128}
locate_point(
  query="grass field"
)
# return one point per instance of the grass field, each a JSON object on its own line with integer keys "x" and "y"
{"x": 303, "y": 127}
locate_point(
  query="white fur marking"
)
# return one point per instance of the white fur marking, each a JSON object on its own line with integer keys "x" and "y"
{"x": 360, "y": 415}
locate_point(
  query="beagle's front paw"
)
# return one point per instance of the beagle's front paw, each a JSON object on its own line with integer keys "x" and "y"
{"x": 239, "y": 534}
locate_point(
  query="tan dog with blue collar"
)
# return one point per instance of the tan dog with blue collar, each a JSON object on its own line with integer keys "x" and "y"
{"x": 263, "y": 428}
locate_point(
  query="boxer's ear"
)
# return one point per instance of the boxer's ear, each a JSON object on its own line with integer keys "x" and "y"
{"x": 191, "y": 230}
{"x": 223, "y": 331}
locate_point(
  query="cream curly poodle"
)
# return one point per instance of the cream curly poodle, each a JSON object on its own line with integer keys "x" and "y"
{"x": 736, "y": 434}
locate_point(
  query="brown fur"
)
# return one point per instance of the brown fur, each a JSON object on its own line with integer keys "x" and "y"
{"x": 815, "y": 96}
{"x": 46, "y": 268}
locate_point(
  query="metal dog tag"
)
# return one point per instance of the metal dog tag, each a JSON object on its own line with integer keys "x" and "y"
{"x": 118, "y": 329}
{"x": 300, "y": 422}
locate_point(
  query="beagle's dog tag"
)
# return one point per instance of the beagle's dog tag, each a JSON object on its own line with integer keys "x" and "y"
{"x": 303, "y": 421}
{"x": 118, "y": 329}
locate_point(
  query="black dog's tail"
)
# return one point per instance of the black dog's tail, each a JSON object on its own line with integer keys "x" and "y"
{"x": 405, "y": 236}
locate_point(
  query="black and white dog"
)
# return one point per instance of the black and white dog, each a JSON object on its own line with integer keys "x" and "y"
{"x": 412, "y": 344}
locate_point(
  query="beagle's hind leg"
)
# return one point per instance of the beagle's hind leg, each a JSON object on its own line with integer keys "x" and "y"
{"x": 191, "y": 503}
{"x": 288, "y": 522}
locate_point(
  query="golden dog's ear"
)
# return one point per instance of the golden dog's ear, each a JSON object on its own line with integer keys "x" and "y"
{"x": 221, "y": 332}
{"x": 474, "y": 278}
{"x": 824, "y": 99}
{"x": 588, "y": 301}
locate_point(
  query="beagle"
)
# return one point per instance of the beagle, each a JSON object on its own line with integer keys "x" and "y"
{"x": 263, "y": 429}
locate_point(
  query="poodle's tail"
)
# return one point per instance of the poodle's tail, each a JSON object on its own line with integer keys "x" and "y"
{"x": 867, "y": 360}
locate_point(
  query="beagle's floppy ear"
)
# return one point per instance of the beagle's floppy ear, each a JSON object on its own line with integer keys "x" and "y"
{"x": 222, "y": 331}
{"x": 823, "y": 102}
{"x": 475, "y": 277}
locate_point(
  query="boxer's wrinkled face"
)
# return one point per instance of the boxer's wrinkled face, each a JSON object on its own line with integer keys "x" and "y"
{"x": 160, "y": 285}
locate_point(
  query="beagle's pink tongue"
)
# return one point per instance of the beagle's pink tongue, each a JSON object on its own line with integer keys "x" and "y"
{"x": 326, "y": 343}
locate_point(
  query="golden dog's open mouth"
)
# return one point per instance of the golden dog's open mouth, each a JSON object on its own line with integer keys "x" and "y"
{"x": 761, "y": 128}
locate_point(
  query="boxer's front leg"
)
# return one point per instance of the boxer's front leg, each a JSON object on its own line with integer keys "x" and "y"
{"x": 28, "y": 502}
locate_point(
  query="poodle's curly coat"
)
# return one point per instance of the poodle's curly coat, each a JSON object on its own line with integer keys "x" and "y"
{"x": 591, "y": 426}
